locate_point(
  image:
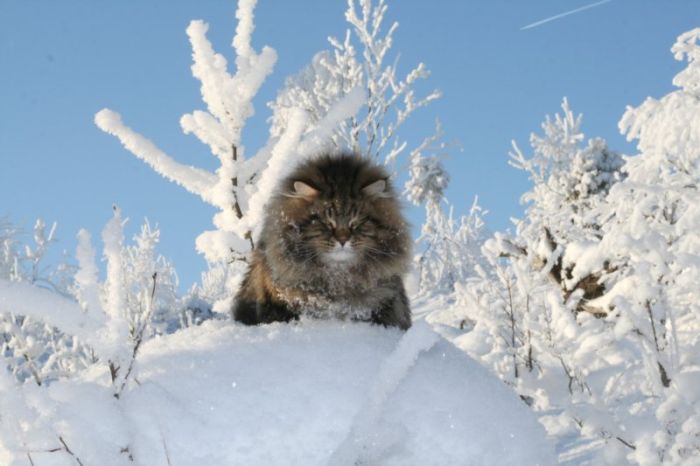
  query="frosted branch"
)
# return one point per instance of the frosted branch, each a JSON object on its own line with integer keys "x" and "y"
{"x": 87, "y": 288}
{"x": 209, "y": 68}
{"x": 195, "y": 180}
{"x": 244, "y": 30}
{"x": 209, "y": 131}
{"x": 345, "y": 108}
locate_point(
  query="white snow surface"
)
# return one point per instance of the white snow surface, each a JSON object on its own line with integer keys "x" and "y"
{"x": 317, "y": 392}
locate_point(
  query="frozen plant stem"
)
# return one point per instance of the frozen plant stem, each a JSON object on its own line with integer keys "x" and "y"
{"x": 138, "y": 338}
{"x": 511, "y": 316}
{"x": 665, "y": 381}
{"x": 68, "y": 450}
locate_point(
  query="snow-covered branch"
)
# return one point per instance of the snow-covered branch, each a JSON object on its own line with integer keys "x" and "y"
{"x": 228, "y": 98}
{"x": 389, "y": 100}
{"x": 195, "y": 180}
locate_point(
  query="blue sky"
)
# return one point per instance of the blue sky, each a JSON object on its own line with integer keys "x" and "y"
{"x": 62, "y": 61}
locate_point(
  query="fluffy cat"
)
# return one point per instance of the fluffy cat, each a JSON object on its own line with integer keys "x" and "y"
{"x": 333, "y": 243}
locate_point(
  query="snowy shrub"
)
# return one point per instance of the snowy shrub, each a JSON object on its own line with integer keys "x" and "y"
{"x": 136, "y": 301}
{"x": 449, "y": 249}
{"x": 150, "y": 286}
{"x": 51, "y": 338}
{"x": 33, "y": 350}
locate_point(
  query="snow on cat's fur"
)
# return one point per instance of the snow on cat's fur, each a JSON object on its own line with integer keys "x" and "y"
{"x": 334, "y": 241}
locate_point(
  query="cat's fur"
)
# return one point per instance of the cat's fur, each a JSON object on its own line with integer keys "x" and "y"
{"x": 333, "y": 243}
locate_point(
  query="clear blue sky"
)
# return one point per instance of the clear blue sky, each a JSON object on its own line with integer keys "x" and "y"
{"x": 62, "y": 61}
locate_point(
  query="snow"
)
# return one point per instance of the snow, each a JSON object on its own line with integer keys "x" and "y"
{"x": 585, "y": 318}
{"x": 277, "y": 168}
{"x": 315, "y": 392}
{"x": 27, "y": 300}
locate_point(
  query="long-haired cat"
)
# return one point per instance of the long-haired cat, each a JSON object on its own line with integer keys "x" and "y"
{"x": 333, "y": 243}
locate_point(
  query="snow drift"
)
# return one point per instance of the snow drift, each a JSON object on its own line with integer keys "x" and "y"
{"x": 312, "y": 393}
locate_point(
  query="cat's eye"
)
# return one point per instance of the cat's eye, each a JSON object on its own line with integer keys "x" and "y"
{"x": 330, "y": 216}
{"x": 355, "y": 223}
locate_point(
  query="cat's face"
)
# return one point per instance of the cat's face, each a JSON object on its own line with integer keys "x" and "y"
{"x": 341, "y": 230}
{"x": 339, "y": 214}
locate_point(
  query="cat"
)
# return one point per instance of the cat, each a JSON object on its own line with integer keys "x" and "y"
{"x": 334, "y": 243}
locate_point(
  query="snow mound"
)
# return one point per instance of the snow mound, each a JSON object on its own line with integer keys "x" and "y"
{"x": 312, "y": 393}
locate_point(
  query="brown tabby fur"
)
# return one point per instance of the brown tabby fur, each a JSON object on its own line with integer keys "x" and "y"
{"x": 323, "y": 204}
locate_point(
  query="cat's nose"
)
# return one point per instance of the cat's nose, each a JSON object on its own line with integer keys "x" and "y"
{"x": 342, "y": 235}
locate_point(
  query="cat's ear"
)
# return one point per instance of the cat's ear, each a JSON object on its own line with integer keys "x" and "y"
{"x": 377, "y": 188}
{"x": 302, "y": 189}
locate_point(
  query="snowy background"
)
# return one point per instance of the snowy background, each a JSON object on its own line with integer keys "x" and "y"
{"x": 568, "y": 336}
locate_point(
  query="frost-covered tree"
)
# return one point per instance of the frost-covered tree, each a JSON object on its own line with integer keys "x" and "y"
{"x": 653, "y": 239}
{"x": 241, "y": 185}
{"x": 569, "y": 179}
{"x": 533, "y": 322}
{"x": 363, "y": 59}
{"x": 449, "y": 249}
{"x": 627, "y": 370}
{"x": 564, "y": 214}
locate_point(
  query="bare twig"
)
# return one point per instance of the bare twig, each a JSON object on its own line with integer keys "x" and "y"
{"x": 165, "y": 447}
{"x": 511, "y": 316}
{"x": 626, "y": 443}
{"x": 68, "y": 450}
{"x": 236, "y": 202}
{"x": 663, "y": 375}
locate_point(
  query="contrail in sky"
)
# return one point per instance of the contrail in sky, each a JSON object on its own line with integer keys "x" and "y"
{"x": 561, "y": 15}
